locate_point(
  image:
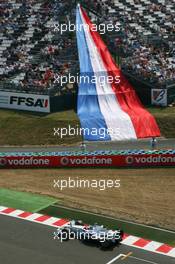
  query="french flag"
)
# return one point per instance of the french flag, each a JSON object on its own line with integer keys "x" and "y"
{"x": 107, "y": 110}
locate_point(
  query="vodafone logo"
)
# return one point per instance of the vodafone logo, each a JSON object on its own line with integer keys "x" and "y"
{"x": 155, "y": 159}
{"x": 64, "y": 161}
{"x": 28, "y": 162}
{"x": 129, "y": 160}
{"x": 150, "y": 159}
{"x": 85, "y": 161}
{"x": 3, "y": 161}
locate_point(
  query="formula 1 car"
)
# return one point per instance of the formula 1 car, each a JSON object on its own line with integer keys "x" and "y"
{"x": 103, "y": 237}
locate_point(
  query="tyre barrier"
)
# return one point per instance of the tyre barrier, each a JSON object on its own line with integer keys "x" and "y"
{"x": 123, "y": 158}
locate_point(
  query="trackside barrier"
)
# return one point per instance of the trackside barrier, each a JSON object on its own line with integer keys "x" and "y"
{"x": 136, "y": 158}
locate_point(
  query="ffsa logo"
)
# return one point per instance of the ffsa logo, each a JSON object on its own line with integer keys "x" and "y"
{"x": 29, "y": 101}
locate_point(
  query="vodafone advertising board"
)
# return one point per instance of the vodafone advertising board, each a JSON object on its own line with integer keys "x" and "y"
{"x": 25, "y": 101}
{"x": 88, "y": 161}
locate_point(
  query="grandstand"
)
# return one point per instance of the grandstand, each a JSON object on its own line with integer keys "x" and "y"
{"x": 32, "y": 52}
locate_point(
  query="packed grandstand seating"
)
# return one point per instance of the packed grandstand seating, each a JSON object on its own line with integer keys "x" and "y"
{"x": 31, "y": 52}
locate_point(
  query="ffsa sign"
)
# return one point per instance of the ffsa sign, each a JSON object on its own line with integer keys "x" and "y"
{"x": 27, "y": 102}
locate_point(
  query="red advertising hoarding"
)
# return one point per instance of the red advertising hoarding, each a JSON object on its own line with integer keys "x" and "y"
{"x": 142, "y": 160}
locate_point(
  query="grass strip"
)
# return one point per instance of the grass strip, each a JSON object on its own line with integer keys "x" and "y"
{"x": 16, "y": 126}
{"x": 24, "y": 201}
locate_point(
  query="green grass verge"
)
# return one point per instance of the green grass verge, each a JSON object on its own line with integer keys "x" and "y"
{"x": 165, "y": 119}
{"x": 132, "y": 229}
{"x": 24, "y": 201}
{"x": 22, "y": 128}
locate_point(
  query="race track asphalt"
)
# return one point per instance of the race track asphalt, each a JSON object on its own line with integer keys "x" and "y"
{"x": 23, "y": 242}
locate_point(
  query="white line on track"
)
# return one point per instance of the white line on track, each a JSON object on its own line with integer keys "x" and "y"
{"x": 147, "y": 261}
{"x": 114, "y": 259}
{"x": 123, "y": 255}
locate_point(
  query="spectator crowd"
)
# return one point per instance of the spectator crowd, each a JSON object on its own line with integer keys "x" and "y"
{"x": 31, "y": 53}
